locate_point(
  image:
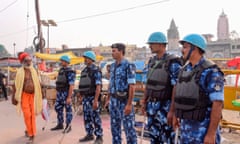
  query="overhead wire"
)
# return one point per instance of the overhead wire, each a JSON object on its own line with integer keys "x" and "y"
{"x": 92, "y": 16}
{"x": 5, "y": 8}
{"x": 17, "y": 32}
{"x": 114, "y": 11}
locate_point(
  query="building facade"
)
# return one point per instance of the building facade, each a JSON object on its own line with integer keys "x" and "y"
{"x": 173, "y": 37}
{"x": 225, "y": 46}
{"x": 222, "y": 27}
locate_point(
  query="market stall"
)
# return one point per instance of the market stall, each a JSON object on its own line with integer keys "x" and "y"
{"x": 9, "y": 66}
{"x": 231, "y": 97}
{"x": 49, "y": 78}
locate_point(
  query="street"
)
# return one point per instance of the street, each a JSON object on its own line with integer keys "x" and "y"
{"x": 12, "y": 128}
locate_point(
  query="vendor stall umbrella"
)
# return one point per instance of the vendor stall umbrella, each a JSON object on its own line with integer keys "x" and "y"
{"x": 235, "y": 62}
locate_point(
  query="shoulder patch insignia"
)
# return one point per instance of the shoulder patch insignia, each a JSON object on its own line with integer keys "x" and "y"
{"x": 217, "y": 87}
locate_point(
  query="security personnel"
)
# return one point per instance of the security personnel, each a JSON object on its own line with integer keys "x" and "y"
{"x": 64, "y": 87}
{"x": 90, "y": 88}
{"x": 162, "y": 74}
{"x": 199, "y": 94}
{"x": 121, "y": 92}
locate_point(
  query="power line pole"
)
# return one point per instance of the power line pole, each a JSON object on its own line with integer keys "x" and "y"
{"x": 39, "y": 26}
{"x": 14, "y": 49}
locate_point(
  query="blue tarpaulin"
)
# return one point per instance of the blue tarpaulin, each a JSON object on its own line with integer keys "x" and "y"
{"x": 141, "y": 73}
{"x": 140, "y": 68}
{"x": 139, "y": 65}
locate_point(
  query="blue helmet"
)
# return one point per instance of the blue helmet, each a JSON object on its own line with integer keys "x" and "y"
{"x": 157, "y": 37}
{"x": 65, "y": 58}
{"x": 90, "y": 54}
{"x": 196, "y": 40}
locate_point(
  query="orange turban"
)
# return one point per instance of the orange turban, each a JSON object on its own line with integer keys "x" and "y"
{"x": 22, "y": 56}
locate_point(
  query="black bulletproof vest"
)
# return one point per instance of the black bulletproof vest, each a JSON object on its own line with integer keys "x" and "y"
{"x": 158, "y": 79}
{"x": 87, "y": 84}
{"x": 191, "y": 101}
{"x": 62, "y": 80}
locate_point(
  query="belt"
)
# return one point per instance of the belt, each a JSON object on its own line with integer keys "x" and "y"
{"x": 62, "y": 90}
{"x": 118, "y": 97}
{"x": 89, "y": 95}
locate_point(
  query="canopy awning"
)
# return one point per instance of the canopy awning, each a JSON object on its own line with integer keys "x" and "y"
{"x": 235, "y": 62}
{"x": 56, "y": 57}
{"x": 229, "y": 71}
{"x": 9, "y": 61}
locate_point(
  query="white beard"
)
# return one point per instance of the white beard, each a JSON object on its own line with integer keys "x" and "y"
{"x": 27, "y": 66}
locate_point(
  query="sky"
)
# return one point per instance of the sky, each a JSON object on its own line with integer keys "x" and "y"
{"x": 82, "y": 23}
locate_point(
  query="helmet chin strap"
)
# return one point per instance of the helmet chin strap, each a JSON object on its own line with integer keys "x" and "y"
{"x": 190, "y": 52}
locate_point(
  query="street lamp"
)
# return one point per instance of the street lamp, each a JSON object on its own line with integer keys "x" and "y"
{"x": 48, "y": 23}
{"x": 14, "y": 52}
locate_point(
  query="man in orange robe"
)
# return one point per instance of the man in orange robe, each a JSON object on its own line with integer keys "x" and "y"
{"x": 27, "y": 94}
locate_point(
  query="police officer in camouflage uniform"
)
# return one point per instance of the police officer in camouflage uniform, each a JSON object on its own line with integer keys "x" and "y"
{"x": 162, "y": 74}
{"x": 64, "y": 87}
{"x": 199, "y": 95}
{"x": 90, "y": 88}
{"x": 121, "y": 92}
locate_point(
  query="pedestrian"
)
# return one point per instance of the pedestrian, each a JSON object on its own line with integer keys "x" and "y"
{"x": 50, "y": 68}
{"x": 2, "y": 84}
{"x": 121, "y": 92}
{"x": 27, "y": 94}
{"x": 199, "y": 94}
{"x": 90, "y": 90}
{"x": 162, "y": 74}
{"x": 105, "y": 88}
{"x": 107, "y": 74}
{"x": 64, "y": 86}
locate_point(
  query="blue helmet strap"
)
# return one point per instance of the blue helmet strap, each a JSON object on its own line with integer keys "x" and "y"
{"x": 190, "y": 52}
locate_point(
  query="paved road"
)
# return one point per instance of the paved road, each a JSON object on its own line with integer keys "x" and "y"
{"x": 12, "y": 128}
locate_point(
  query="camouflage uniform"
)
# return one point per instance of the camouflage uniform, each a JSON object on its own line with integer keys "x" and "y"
{"x": 120, "y": 77}
{"x": 212, "y": 82}
{"x": 157, "y": 110}
{"x": 91, "y": 117}
{"x": 61, "y": 101}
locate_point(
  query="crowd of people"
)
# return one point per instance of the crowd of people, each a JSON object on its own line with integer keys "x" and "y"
{"x": 182, "y": 94}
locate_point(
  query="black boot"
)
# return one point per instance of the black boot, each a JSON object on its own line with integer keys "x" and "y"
{"x": 58, "y": 127}
{"x": 67, "y": 129}
{"x": 87, "y": 138}
{"x": 98, "y": 140}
